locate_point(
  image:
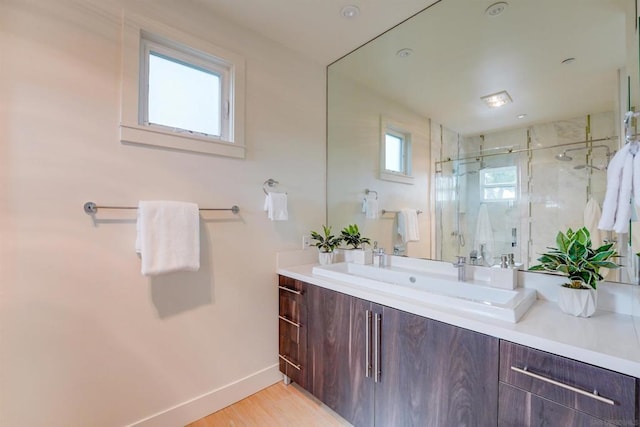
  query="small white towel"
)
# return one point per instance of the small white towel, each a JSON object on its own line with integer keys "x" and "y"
{"x": 408, "y": 227}
{"x": 484, "y": 232}
{"x": 370, "y": 208}
{"x": 168, "y": 237}
{"x": 275, "y": 204}
{"x": 592, "y": 214}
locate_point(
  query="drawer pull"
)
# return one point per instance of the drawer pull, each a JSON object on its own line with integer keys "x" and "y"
{"x": 593, "y": 395}
{"x": 293, "y": 291}
{"x": 289, "y": 362}
{"x": 297, "y": 325}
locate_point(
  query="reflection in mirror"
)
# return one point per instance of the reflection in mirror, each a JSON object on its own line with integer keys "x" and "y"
{"x": 490, "y": 181}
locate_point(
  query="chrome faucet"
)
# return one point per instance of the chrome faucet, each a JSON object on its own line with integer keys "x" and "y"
{"x": 460, "y": 264}
{"x": 378, "y": 255}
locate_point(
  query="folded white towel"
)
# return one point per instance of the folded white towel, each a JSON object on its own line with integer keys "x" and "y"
{"x": 614, "y": 180}
{"x": 168, "y": 237}
{"x": 408, "y": 226}
{"x": 275, "y": 204}
{"x": 370, "y": 208}
{"x": 592, "y": 214}
{"x": 484, "y": 233}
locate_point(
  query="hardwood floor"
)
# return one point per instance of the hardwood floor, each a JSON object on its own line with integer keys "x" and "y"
{"x": 276, "y": 406}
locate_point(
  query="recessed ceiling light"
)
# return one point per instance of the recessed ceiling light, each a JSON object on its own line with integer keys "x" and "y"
{"x": 403, "y": 53}
{"x": 496, "y": 100}
{"x": 496, "y": 8}
{"x": 350, "y": 11}
{"x": 521, "y": 116}
{"x": 568, "y": 61}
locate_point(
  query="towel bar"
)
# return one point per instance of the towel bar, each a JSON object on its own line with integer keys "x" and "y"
{"x": 91, "y": 208}
{"x": 388, "y": 212}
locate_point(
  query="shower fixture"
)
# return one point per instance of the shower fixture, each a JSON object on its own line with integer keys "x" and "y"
{"x": 578, "y": 167}
{"x": 564, "y": 157}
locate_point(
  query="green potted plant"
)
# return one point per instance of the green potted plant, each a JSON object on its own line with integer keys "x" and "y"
{"x": 326, "y": 244}
{"x": 357, "y": 252}
{"x": 575, "y": 258}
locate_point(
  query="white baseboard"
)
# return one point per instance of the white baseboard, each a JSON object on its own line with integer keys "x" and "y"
{"x": 208, "y": 403}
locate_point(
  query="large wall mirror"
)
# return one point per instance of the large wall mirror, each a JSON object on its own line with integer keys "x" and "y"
{"x": 413, "y": 126}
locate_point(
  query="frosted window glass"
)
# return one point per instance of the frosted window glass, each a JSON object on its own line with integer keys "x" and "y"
{"x": 183, "y": 96}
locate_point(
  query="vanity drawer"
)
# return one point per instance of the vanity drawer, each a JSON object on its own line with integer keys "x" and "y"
{"x": 570, "y": 383}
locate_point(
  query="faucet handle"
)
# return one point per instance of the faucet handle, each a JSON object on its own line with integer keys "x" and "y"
{"x": 461, "y": 259}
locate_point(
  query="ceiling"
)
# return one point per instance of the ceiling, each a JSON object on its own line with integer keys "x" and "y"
{"x": 316, "y": 28}
{"x": 461, "y": 54}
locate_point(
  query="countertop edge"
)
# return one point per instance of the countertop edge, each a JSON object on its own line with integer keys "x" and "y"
{"x": 532, "y": 330}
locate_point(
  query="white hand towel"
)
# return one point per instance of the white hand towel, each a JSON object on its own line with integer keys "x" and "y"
{"x": 371, "y": 208}
{"x": 484, "y": 232}
{"x": 636, "y": 179}
{"x": 592, "y": 214}
{"x": 623, "y": 211}
{"x": 168, "y": 237}
{"x": 408, "y": 226}
{"x": 276, "y": 206}
{"x": 614, "y": 179}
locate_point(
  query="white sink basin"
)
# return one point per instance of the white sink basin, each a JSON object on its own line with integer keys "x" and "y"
{"x": 437, "y": 289}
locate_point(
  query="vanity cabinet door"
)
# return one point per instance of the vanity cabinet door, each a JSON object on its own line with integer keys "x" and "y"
{"x": 434, "y": 374}
{"x": 337, "y": 365}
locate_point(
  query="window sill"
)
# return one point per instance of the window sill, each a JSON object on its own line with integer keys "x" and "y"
{"x": 136, "y": 134}
{"x": 404, "y": 179}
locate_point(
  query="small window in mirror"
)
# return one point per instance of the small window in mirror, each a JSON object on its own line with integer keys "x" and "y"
{"x": 395, "y": 153}
{"x": 499, "y": 184}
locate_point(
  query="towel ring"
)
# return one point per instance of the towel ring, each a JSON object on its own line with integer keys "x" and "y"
{"x": 271, "y": 183}
{"x": 367, "y": 191}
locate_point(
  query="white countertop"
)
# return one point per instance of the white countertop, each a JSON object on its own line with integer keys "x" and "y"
{"x": 606, "y": 339}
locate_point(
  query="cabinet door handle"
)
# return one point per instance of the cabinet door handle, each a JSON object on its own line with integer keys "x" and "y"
{"x": 293, "y": 291}
{"x": 593, "y": 395}
{"x": 289, "y": 362}
{"x": 367, "y": 344}
{"x": 291, "y": 322}
{"x": 377, "y": 372}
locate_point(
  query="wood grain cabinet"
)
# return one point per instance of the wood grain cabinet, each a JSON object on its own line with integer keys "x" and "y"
{"x": 542, "y": 389}
{"x": 292, "y": 328}
{"x": 380, "y": 366}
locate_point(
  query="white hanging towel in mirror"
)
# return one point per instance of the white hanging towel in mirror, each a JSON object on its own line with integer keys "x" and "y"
{"x": 408, "y": 227}
{"x": 168, "y": 237}
{"x": 484, "y": 232}
{"x": 275, "y": 204}
{"x": 370, "y": 208}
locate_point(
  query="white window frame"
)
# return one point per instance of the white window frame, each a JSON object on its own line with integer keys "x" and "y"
{"x": 388, "y": 126}
{"x": 138, "y": 35}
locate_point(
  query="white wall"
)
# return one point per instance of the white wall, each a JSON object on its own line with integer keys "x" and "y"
{"x": 84, "y": 338}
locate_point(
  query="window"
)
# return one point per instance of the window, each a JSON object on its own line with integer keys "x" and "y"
{"x": 395, "y": 153}
{"x": 180, "y": 92}
{"x": 499, "y": 184}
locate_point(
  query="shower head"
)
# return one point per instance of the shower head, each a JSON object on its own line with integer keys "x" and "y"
{"x": 577, "y": 167}
{"x": 564, "y": 157}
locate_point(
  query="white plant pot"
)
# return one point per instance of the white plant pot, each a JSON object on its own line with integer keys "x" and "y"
{"x": 578, "y": 302}
{"x": 325, "y": 258}
{"x": 363, "y": 257}
{"x": 349, "y": 255}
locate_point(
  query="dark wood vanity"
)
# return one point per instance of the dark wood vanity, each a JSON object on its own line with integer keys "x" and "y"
{"x": 377, "y": 365}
